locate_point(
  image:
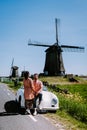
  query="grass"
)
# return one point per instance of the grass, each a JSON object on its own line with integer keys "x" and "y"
{"x": 11, "y": 84}
{"x": 73, "y": 105}
{"x": 74, "y": 108}
{"x": 67, "y": 121}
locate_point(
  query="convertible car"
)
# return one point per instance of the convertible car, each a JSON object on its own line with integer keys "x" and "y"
{"x": 49, "y": 102}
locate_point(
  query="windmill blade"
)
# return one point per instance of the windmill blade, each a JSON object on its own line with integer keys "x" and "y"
{"x": 72, "y": 48}
{"x": 57, "y": 22}
{"x": 11, "y": 66}
{"x": 35, "y": 43}
{"x": 43, "y": 45}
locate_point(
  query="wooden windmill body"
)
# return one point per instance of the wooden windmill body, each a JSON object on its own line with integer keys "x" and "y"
{"x": 54, "y": 62}
{"x": 14, "y": 70}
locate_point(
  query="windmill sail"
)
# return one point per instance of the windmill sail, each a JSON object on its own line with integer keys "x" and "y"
{"x": 72, "y": 48}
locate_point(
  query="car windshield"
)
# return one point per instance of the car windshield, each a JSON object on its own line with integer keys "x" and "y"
{"x": 44, "y": 88}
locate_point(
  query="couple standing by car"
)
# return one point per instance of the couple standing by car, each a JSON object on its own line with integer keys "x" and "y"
{"x": 32, "y": 92}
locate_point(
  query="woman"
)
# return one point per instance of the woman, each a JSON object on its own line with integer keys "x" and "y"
{"x": 28, "y": 92}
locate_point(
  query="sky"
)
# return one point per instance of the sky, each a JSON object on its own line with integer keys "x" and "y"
{"x": 21, "y": 20}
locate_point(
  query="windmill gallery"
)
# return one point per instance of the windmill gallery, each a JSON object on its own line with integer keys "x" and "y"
{"x": 54, "y": 62}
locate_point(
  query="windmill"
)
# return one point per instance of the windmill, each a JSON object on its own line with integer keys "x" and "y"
{"x": 54, "y": 62}
{"x": 14, "y": 70}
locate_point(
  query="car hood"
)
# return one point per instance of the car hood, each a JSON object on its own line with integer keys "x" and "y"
{"x": 49, "y": 95}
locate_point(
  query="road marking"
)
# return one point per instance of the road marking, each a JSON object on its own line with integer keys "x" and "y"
{"x": 8, "y": 94}
{"x": 32, "y": 118}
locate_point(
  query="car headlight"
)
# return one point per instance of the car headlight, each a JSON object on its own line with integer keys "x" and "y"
{"x": 54, "y": 102}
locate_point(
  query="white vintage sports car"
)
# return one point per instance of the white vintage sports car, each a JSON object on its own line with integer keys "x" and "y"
{"x": 49, "y": 101}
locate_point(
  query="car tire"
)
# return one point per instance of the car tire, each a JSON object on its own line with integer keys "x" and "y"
{"x": 42, "y": 111}
{"x": 53, "y": 111}
{"x": 19, "y": 101}
{"x": 11, "y": 107}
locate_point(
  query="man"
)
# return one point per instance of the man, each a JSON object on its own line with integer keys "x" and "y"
{"x": 38, "y": 91}
{"x": 28, "y": 92}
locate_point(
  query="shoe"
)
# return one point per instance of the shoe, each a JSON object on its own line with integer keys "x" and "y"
{"x": 39, "y": 107}
{"x": 35, "y": 112}
{"x": 27, "y": 111}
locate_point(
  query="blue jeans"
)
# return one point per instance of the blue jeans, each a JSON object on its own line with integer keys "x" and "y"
{"x": 39, "y": 96}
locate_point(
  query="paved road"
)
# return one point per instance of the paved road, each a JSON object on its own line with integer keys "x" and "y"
{"x": 18, "y": 121}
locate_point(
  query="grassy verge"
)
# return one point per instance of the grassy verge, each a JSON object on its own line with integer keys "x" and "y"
{"x": 65, "y": 120}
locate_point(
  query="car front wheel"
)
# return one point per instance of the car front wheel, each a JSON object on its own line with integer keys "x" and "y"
{"x": 19, "y": 100}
